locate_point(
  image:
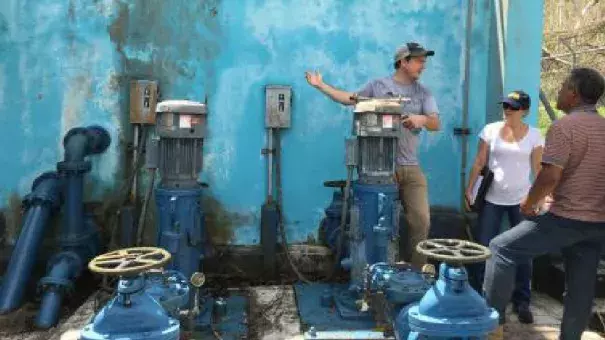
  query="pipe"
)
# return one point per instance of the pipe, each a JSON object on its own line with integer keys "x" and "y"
{"x": 79, "y": 143}
{"x": 65, "y": 268}
{"x": 41, "y": 203}
{"x": 280, "y": 214}
{"x": 79, "y": 240}
{"x": 143, "y": 215}
{"x": 151, "y": 163}
{"x": 270, "y": 165}
{"x": 343, "y": 221}
{"x": 135, "y": 169}
{"x": 501, "y": 32}
{"x": 467, "y": 98}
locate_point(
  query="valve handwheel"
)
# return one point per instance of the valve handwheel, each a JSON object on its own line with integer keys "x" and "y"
{"x": 453, "y": 251}
{"x": 129, "y": 261}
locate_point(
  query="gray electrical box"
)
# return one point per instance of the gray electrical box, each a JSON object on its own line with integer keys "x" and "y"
{"x": 278, "y": 100}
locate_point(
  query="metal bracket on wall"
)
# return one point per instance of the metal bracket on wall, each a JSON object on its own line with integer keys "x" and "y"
{"x": 462, "y": 131}
{"x": 266, "y": 151}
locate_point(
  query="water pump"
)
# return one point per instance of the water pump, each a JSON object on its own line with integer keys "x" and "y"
{"x": 177, "y": 153}
{"x": 148, "y": 302}
{"x": 451, "y": 309}
{"x": 364, "y": 234}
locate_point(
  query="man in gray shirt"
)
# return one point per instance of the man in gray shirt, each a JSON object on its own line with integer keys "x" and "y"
{"x": 409, "y": 62}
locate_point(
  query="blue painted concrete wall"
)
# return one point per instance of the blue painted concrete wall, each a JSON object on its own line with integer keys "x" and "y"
{"x": 524, "y": 51}
{"x": 68, "y": 63}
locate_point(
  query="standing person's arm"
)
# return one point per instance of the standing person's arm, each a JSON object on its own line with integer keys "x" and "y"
{"x": 314, "y": 79}
{"x": 429, "y": 119}
{"x": 431, "y": 111}
{"x": 536, "y": 153}
{"x": 536, "y": 160}
{"x": 557, "y": 150}
{"x": 480, "y": 161}
{"x": 536, "y": 166}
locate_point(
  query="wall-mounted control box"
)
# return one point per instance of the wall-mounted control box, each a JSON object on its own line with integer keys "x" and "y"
{"x": 278, "y": 104}
{"x": 143, "y": 100}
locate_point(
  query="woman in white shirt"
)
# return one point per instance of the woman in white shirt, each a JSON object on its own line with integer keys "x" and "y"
{"x": 512, "y": 150}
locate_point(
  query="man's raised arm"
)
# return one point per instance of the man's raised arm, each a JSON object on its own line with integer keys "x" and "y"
{"x": 340, "y": 96}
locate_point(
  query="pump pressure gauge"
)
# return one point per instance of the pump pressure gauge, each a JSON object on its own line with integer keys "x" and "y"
{"x": 198, "y": 279}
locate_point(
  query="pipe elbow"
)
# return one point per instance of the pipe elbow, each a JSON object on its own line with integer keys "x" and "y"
{"x": 80, "y": 142}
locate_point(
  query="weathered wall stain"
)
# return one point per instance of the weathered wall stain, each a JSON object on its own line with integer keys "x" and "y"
{"x": 13, "y": 216}
{"x": 3, "y": 27}
{"x": 219, "y": 223}
{"x": 68, "y": 63}
{"x": 168, "y": 41}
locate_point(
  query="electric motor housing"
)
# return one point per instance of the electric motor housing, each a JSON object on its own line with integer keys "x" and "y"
{"x": 181, "y": 128}
{"x": 377, "y": 126}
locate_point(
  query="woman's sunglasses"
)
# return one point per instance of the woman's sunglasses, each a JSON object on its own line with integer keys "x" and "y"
{"x": 507, "y": 106}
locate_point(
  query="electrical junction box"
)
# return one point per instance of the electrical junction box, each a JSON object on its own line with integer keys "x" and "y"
{"x": 143, "y": 101}
{"x": 278, "y": 104}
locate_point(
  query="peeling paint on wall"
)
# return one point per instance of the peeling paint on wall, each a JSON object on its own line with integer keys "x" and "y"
{"x": 169, "y": 41}
{"x": 68, "y": 63}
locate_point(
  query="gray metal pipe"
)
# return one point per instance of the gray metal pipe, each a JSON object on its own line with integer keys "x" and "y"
{"x": 270, "y": 165}
{"x": 467, "y": 98}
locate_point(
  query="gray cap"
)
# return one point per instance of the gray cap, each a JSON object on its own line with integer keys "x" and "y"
{"x": 412, "y": 49}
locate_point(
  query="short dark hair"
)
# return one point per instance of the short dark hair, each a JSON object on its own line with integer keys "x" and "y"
{"x": 588, "y": 83}
{"x": 397, "y": 64}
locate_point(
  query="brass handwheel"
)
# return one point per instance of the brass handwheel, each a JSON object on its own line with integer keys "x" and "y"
{"x": 453, "y": 251}
{"x": 129, "y": 261}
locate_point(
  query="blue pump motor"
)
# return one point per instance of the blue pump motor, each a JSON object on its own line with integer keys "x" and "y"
{"x": 180, "y": 227}
{"x": 451, "y": 309}
{"x": 374, "y": 228}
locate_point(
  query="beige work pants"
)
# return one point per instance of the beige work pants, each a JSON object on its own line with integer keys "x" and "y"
{"x": 413, "y": 193}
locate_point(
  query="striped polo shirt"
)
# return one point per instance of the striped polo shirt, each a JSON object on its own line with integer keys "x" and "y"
{"x": 576, "y": 143}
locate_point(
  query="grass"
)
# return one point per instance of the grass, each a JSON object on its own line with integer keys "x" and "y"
{"x": 544, "y": 121}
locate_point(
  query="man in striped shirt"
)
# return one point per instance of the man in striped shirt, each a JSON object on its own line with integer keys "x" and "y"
{"x": 573, "y": 170}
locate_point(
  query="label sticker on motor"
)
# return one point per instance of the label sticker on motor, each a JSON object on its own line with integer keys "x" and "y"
{"x": 185, "y": 122}
{"x": 387, "y": 122}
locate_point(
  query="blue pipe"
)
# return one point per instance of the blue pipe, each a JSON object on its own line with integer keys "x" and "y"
{"x": 79, "y": 239}
{"x": 41, "y": 203}
{"x": 64, "y": 267}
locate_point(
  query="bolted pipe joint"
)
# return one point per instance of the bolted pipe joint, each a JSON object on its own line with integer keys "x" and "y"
{"x": 46, "y": 190}
{"x": 64, "y": 268}
{"x": 40, "y": 204}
